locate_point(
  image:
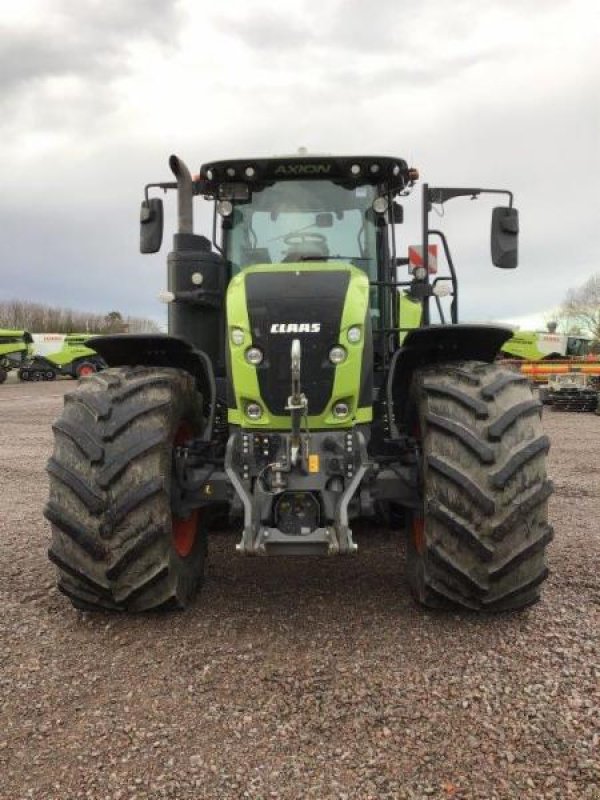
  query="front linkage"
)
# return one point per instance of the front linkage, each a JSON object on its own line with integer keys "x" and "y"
{"x": 294, "y": 490}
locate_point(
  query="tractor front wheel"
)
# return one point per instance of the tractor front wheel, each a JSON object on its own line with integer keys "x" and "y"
{"x": 479, "y": 539}
{"x": 116, "y": 542}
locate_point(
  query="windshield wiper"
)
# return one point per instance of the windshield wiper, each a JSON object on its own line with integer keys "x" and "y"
{"x": 329, "y": 258}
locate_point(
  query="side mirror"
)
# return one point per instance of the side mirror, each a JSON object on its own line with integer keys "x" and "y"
{"x": 505, "y": 237}
{"x": 151, "y": 225}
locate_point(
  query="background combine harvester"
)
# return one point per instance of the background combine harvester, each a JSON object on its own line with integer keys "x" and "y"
{"x": 15, "y": 349}
{"x": 56, "y": 354}
{"x": 561, "y": 365}
{"x": 543, "y": 354}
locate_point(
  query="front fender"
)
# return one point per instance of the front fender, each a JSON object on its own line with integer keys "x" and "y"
{"x": 435, "y": 344}
{"x": 160, "y": 350}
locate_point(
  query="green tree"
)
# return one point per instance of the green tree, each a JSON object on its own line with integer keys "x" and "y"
{"x": 581, "y": 308}
{"x": 113, "y": 322}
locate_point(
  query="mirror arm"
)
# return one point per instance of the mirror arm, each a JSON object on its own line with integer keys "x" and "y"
{"x": 440, "y": 194}
{"x": 163, "y": 186}
{"x": 500, "y": 191}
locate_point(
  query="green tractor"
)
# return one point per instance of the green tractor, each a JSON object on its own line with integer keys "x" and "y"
{"x": 58, "y": 355}
{"x": 15, "y": 348}
{"x": 302, "y": 385}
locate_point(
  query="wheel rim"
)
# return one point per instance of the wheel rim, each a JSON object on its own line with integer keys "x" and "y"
{"x": 417, "y": 530}
{"x": 85, "y": 370}
{"x": 184, "y": 531}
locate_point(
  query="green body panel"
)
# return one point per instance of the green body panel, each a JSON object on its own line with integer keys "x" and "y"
{"x": 524, "y": 344}
{"x": 14, "y": 343}
{"x": 409, "y": 313}
{"x": 346, "y": 384}
{"x": 72, "y": 348}
{"x": 538, "y": 345}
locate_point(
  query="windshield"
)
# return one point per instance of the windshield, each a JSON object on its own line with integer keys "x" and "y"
{"x": 296, "y": 221}
{"x": 577, "y": 347}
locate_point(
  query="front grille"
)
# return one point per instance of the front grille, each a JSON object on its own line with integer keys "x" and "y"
{"x": 296, "y": 297}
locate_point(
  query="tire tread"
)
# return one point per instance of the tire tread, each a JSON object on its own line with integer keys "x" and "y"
{"x": 109, "y": 504}
{"x": 485, "y": 489}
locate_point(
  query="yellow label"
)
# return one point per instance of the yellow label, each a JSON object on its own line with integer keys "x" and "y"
{"x": 313, "y": 463}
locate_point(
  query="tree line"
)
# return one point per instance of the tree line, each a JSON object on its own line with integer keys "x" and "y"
{"x": 41, "y": 318}
{"x": 580, "y": 311}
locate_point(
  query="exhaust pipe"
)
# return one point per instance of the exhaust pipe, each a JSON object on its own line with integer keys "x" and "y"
{"x": 185, "y": 211}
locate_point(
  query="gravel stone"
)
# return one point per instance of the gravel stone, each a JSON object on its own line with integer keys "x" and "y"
{"x": 297, "y": 678}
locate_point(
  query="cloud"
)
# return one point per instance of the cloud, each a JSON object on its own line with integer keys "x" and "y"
{"x": 98, "y": 94}
{"x": 58, "y": 69}
{"x": 80, "y": 39}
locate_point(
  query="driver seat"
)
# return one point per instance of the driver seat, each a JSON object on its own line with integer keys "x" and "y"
{"x": 306, "y": 251}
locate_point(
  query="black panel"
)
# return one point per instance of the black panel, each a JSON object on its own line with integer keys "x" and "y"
{"x": 284, "y": 298}
{"x": 448, "y": 342}
{"x": 198, "y": 317}
{"x": 365, "y": 397}
{"x": 341, "y": 169}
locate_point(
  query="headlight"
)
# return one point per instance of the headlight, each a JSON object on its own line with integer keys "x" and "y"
{"x": 237, "y": 336}
{"x": 337, "y": 354}
{"x": 380, "y": 205}
{"x": 341, "y": 410}
{"x": 225, "y": 208}
{"x": 354, "y": 334}
{"x": 254, "y": 356}
{"x": 253, "y": 411}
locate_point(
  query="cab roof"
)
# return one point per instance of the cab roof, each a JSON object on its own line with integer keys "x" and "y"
{"x": 348, "y": 170}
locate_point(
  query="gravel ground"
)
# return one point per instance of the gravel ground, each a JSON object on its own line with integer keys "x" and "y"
{"x": 297, "y": 678}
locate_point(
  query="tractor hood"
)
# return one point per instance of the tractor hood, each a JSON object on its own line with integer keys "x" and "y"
{"x": 270, "y": 306}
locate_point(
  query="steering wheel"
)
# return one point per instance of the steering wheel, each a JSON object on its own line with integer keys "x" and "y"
{"x": 299, "y": 238}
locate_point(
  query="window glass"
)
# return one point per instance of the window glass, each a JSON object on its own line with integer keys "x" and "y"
{"x": 577, "y": 347}
{"x": 304, "y": 221}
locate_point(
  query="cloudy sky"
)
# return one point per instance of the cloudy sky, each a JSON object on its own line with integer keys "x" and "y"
{"x": 96, "y": 94}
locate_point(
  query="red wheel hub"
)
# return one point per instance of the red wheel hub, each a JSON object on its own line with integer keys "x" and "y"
{"x": 184, "y": 531}
{"x": 86, "y": 370}
{"x": 418, "y": 533}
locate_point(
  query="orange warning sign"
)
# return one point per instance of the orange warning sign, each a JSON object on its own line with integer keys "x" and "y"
{"x": 415, "y": 257}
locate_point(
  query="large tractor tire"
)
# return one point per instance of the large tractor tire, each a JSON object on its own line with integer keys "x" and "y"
{"x": 544, "y": 395}
{"x": 115, "y": 541}
{"x": 479, "y": 540}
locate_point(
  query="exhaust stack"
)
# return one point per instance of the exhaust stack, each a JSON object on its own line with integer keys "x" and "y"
{"x": 185, "y": 195}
